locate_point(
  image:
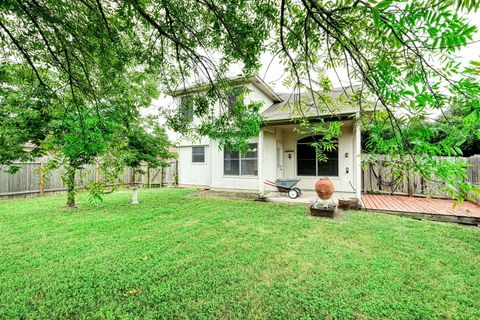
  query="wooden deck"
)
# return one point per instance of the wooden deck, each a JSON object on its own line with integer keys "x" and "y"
{"x": 424, "y": 208}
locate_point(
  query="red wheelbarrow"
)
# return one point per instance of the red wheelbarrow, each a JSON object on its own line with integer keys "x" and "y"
{"x": 286, "y": 186}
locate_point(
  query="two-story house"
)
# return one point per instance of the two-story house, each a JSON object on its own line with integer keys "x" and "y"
{"x": 278, "y": 152}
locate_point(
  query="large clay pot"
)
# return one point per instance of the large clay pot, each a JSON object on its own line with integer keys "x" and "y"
{"x": 324, "y": 188}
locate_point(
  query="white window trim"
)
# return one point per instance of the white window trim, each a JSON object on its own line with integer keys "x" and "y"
{"x": 204, "y": 155}
{"x": 185, "y": 112}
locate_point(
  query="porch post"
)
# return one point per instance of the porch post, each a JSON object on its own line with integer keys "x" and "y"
{"x": 358, "y": 158}
{"x": 261, "y": 186}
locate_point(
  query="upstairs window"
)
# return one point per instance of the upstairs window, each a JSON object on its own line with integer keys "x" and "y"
{"x": 309, "y": 165}
{"x": 234, "y": 97}
{"x": 237, "y": 164}
{"x": 186, "y": 107}
{"x": 198, "y": 154}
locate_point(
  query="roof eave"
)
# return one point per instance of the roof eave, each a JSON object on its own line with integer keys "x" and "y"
{"x": 255, "y": 80}
{"x": 329, "y": 117}
{"x": 265, "y": 88}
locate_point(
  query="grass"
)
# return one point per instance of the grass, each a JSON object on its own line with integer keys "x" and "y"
{"x": 180, "y": 256}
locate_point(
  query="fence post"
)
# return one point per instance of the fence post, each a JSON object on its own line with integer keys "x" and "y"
{"x": 370, "y": 174}
{"x": 148, "y": 175}
{"x": 132, "y": 177}
{"x": 380, "y": 176}
{"x": 409, "y": 183}
{"x": 363, "y": 180}
{"x": 161, "y": 176}
{"x": 42, "y": 178}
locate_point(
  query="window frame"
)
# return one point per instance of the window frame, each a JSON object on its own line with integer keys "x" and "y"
{"x": 233, "y": 97}
{"x": 337, "y": 150}
{"x": 204, "y": 155}
{"x": 240, "y": 158}
{"x": 185, "y": 113}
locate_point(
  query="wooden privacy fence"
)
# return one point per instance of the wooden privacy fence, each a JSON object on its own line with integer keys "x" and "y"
{"x": 377, "y": 179}
{"x": 30, "y": 181}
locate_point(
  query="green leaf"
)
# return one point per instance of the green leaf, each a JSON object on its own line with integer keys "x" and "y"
{"x": 432, "y": 31}
{"x": 376, "y": 17}
{"x": 383, "y": 4}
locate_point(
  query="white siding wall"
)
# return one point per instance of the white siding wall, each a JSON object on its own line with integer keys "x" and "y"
{"x": 211, "y": 173}
{"x": 256, "y": 95}
{"x": 269, "y": 158}
{"x": 193, "y": 174}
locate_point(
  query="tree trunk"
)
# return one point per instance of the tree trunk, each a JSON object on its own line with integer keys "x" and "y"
{"x": 71, "y": 187}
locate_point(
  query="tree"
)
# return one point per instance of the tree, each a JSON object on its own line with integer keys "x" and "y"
{"x": 22, "y": 113}
{"x": 80, "y": 79}
{"x": 146, "y": 143}
{"x": 465, "y": 116}
{"x": 72, "y": 130}
{"x": 402, "y": 54}
{"x": 87, "y": 134}
{"x": 174, "y": 40}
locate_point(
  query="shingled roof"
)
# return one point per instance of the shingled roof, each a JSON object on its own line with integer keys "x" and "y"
{"x": 295, "y": 105}
{"x": 290, "y": 106}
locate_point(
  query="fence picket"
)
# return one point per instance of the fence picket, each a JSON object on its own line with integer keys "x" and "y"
{"x": 414, "y": 183}
{"x": 31, "y": 181}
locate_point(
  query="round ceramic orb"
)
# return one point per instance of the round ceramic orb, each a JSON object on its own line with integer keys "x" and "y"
{"x": 324, "y": 188}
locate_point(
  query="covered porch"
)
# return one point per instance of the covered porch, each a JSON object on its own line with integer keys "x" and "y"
{"x": 284, "y": 153}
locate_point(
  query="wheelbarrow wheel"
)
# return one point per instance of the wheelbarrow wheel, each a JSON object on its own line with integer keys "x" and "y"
{"x": 292, "y": 194}
{"x": 298, "y": 190}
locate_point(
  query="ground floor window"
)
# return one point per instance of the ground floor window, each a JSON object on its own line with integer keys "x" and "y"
{"x": 198, "y": 154}
{"x": 238, "y": 164}
{"x": 309, "y": 165}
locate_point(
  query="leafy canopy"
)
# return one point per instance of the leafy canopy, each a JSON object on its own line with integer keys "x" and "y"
{"x": 82, "y": 54}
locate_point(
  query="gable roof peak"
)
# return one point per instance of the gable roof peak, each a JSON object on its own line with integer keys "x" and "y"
{"x": 239, "y": 79}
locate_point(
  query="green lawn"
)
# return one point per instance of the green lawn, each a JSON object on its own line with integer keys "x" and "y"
{"x": 180, "y": 256}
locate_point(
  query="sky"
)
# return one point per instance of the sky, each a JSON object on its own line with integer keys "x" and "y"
{"x": 273, "y": 72}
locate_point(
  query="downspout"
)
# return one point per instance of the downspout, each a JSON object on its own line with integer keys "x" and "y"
{"x": 210, "y": 163}
{"x": 261, "y": 186}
